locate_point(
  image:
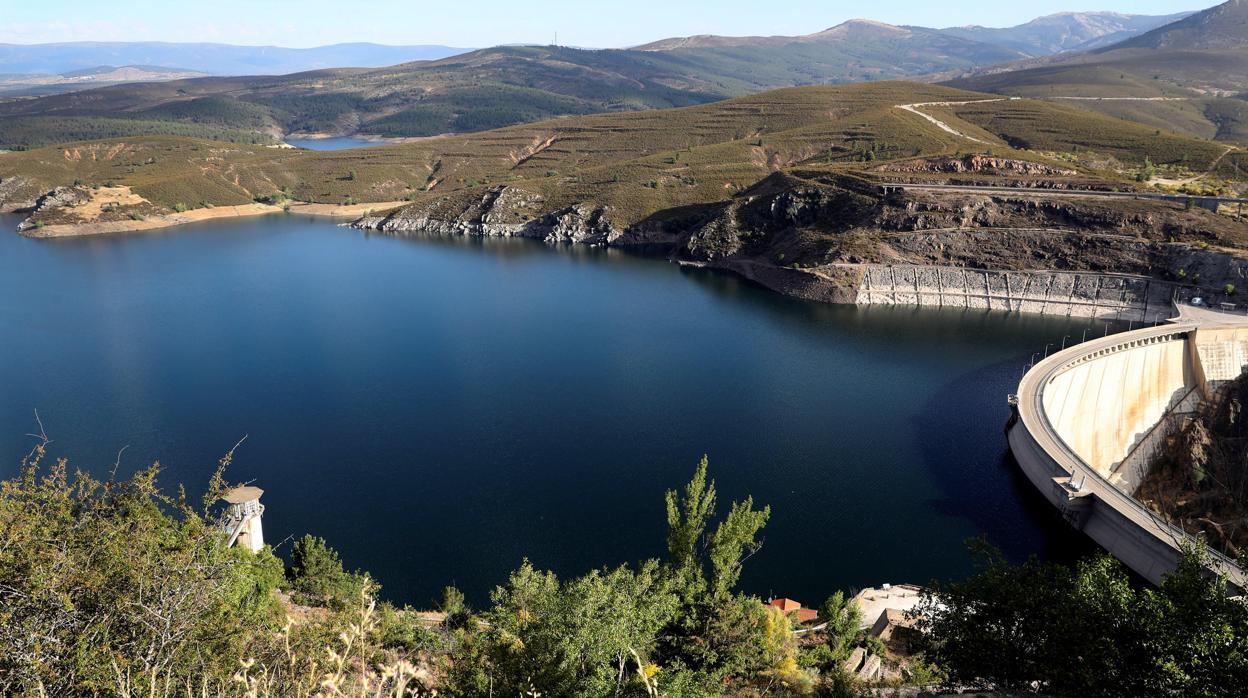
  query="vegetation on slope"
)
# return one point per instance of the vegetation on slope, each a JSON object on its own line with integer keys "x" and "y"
{"x": 502, "y": 86}
{"x": 1188, "y": 74}
{"x": 23, "y": 132}
{"x": 637, "y": 165}
{"x": 1201, "y": 481}
{"x": 112, "y": 587}
{"x": 1089, "y": 631}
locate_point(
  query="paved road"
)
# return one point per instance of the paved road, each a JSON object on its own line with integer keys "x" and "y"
{"x": 1063, "y": 193}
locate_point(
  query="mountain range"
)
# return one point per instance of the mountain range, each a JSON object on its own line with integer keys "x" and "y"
{"x": 1197, "y": 56}
{"x": 1188, "y": 76}
{"x": 1067, "y": 31}
{"x": 213, "y": 59}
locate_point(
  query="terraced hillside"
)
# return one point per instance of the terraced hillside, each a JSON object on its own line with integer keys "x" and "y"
{"x": 796, "y": 188}
{"x": 1190, "y": 76}
{"x": 488, "y": 89}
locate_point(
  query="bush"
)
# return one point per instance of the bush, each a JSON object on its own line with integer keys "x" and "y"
{"x": 316, "y": 574}
{"x": 137, "y": 584}
{"x": 1088, "y": 631}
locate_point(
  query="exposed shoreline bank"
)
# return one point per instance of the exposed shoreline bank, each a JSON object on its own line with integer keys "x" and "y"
{"x": 367, "y": 137}
{"x": 91, "y": 228}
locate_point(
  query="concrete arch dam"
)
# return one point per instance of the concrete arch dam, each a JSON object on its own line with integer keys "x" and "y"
{"x": 1091, "y": 419}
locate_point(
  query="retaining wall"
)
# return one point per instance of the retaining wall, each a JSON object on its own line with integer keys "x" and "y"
{"x": 1077, "y": 294}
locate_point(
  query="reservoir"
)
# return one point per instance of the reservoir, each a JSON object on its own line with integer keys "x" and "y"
{"x": 336, "y": 143}
{"x": 441, "y": 408}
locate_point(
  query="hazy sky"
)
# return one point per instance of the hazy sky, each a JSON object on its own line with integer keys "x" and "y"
{"x": 479, "y": 23}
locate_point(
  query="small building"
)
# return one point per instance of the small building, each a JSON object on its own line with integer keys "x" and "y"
{"x": 794, "y": 610}
{"x": 241, "y": 519}
{"x": 875, "y": 602}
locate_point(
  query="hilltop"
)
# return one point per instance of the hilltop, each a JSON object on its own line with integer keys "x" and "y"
{"x": 494, "y": 87}
{"x": 1066, "y": 31}
{"x": 480, "y": 90}
{"x": 28, "y": 85}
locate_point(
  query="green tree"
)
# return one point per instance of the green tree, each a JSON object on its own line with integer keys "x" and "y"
{"x": 1088, "y": 631}
{"x": 113, "y": 578}
{"x": 843, "y": 618}
{"x": 316, "y": 574}
{"x": 591, "y": 636}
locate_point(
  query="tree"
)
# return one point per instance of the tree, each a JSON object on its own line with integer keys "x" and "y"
{"x": 691, "y": 555}
{"x": 113, "y": 578}
{"x": 843, "y": 618}
{"x": 686, "y": 523}
{"x": 316, "y": 574}
{"x": 1088, "y": 631}
{"x": 591, "y": 636}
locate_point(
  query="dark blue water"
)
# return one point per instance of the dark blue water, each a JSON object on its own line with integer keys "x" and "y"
{"x": 438, "y": 409}
{"x": 343, "y": 143}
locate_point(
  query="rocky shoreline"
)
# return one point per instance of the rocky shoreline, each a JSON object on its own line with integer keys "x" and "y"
{"x": 818, "y": 241}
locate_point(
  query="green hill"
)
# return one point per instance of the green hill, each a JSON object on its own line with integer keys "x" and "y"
{"x": 635, "y": 164}
{"x": 490, "y": 88}
{"x": 1187, "y": 76}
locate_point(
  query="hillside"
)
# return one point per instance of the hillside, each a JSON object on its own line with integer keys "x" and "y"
{"x": 1224, "y": 26}
{"x": 28, "y": 85}
{"x": 492, "y": 88}
{"x": 630, "y": 168}
{"x": 1188, "y": 76}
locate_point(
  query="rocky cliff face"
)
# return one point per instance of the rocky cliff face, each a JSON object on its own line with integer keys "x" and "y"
{"x": 501, "y": 212}
{"x": 798, "y": 235}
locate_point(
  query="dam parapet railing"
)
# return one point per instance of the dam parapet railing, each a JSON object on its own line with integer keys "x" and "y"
{"x": 1091, "y": 419}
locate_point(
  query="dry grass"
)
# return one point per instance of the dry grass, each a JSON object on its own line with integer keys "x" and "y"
{"x": 637, "y": 164}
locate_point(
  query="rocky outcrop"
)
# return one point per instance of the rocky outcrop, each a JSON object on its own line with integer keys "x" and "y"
{"x": 59, "y": 198}
{"x": 500, "y": 212}
{"x": 982, "y": 164}
{"x": 804, "y": 237}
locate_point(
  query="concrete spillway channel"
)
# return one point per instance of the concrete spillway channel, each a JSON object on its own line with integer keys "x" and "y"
{"x": 1091, "y": 419}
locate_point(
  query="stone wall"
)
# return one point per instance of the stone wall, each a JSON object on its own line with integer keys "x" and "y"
{"x": 1078, "y": 294}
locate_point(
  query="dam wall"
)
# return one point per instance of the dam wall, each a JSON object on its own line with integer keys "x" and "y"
{"x": 1073, "y": 294}
{"x": 1107, "y": 404}
{"x": 1090, "y": 421}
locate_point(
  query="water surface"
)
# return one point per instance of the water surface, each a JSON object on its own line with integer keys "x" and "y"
{"x": 438, "y": 409}
{"x": 340, "y": 143}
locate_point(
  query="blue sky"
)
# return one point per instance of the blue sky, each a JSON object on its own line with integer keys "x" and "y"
{"x": 488, "y": 22}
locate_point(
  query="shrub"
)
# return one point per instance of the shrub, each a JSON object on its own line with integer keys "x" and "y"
{"x": 137, "y": 584}
{"x": 316, "y": 574}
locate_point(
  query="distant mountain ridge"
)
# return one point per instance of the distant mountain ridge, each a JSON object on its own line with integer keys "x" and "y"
{"x": 214, "y": 59}
{"x": 1067, "y": 31}
{"x": 1189, "y": 76}
{"x": 30, "y": 85}
{"x": 1064, "y": 31}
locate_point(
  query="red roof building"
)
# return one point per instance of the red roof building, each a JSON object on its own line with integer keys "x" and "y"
{"x": 794, "y": 610}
